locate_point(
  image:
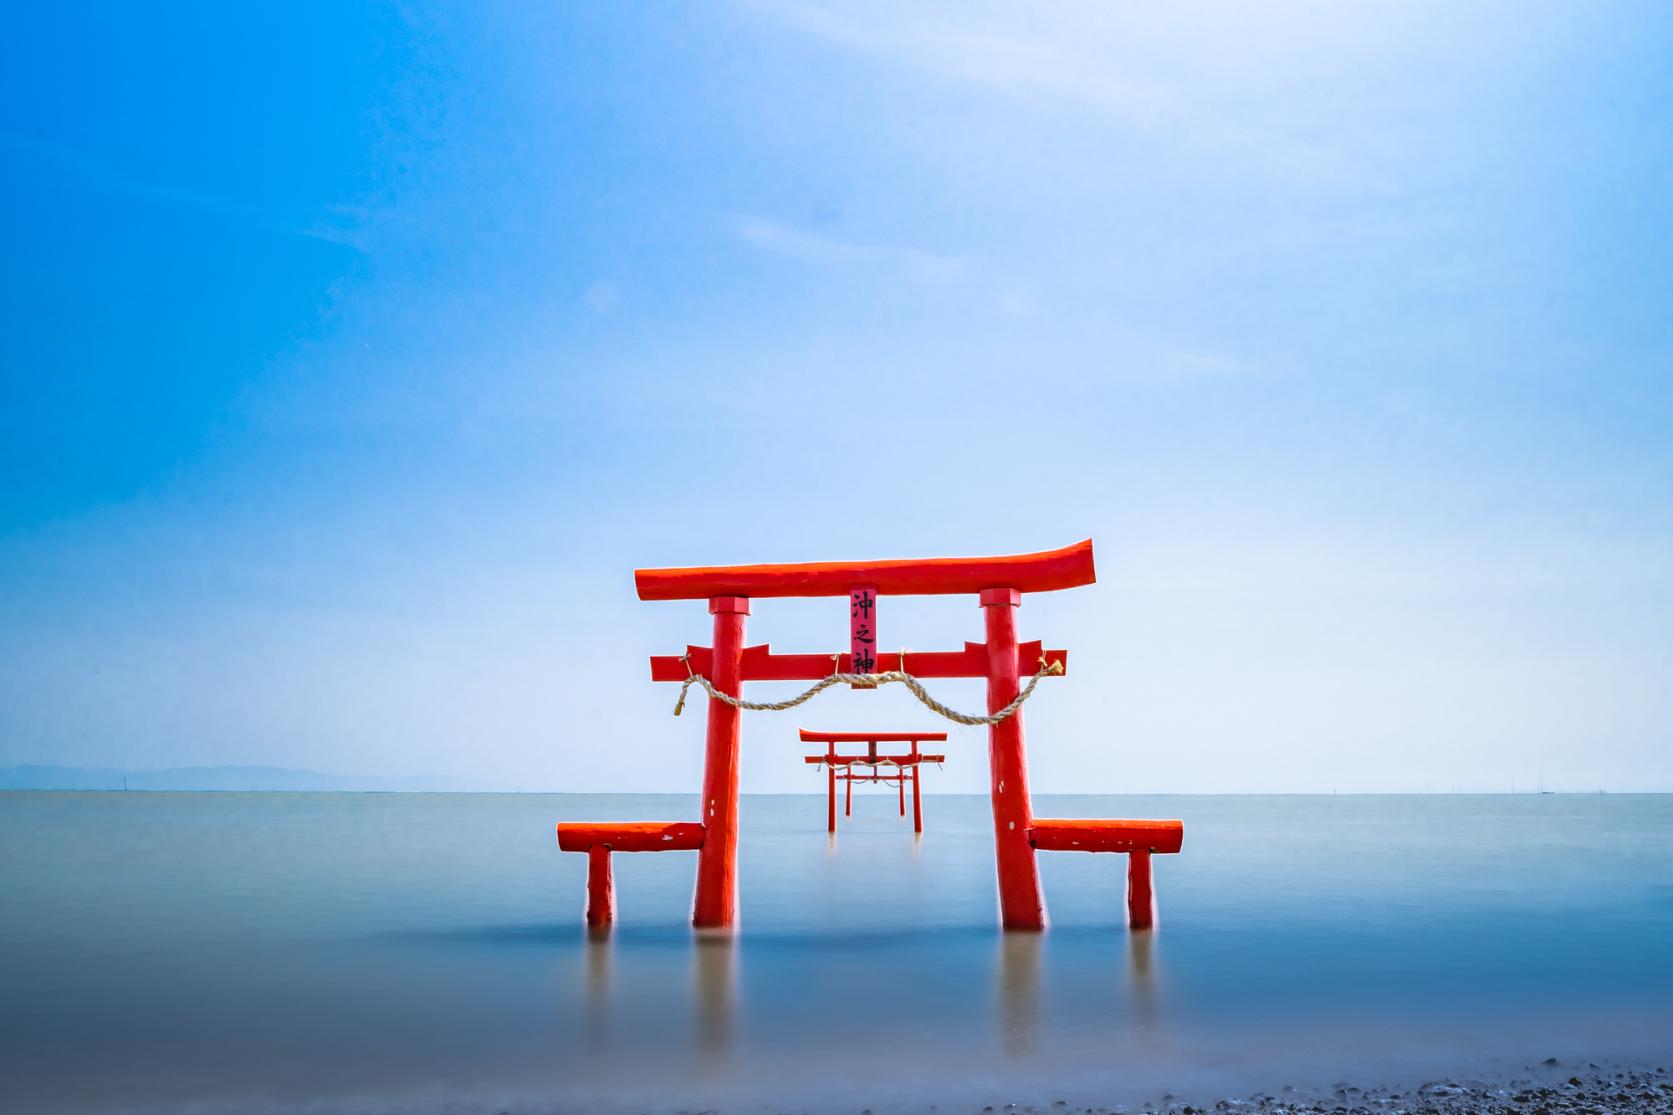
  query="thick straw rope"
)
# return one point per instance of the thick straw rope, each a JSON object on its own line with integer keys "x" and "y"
{"x": 869, "y": 681}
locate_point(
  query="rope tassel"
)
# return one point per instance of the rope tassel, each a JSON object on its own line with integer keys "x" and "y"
{"x": 870, "y": 681}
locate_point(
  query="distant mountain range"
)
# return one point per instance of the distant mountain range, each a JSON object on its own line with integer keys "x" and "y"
{"x": 210, "y": 778}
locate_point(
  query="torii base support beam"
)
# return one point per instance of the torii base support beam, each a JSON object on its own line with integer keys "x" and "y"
{"x": 599, "y": 839}
{"x": 1139, "y": 839}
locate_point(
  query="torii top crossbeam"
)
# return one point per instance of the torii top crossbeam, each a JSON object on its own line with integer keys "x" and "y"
{"x": 810, "y": 736}
{"x": 1069, "y": 567}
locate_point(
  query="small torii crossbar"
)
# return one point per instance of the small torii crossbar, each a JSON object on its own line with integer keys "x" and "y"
{"x": 998, "y": 584}
{"x": 840, "y": 768}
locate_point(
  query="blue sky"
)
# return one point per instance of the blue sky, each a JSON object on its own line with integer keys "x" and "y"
{"x": 354, "y": 356}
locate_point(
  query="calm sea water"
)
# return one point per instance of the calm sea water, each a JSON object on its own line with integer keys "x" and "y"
{"x": 413, "y": 952}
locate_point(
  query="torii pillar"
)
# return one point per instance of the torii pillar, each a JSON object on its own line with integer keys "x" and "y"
{"x": 1022, "y": 905}
{"x": 716, "y": 901}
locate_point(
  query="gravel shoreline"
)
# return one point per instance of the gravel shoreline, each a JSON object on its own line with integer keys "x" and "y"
{"x": 1552, "y": 1089}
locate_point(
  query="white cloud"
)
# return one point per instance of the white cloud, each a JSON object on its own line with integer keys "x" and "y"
{"x": 1014, "y": 63}
{"x": 1239, "y": 85}
{"x": 825, "y": 251}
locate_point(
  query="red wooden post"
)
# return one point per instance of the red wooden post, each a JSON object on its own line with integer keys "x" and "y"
{"x": 848, "y": 803}
{"x": 1021, "y": 904}
{"x": 900, "y": 781}
{"x": 601, "y": 888}
{"x": 917, "y": 791}
{"x": 1141, "y": 898}
{"x": 715, "y": 905}
{"x": 830, "y": 789}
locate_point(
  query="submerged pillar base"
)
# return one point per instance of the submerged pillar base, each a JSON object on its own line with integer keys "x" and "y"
{"x": 601, "y": 888}
{"x": 1141, "y": 896}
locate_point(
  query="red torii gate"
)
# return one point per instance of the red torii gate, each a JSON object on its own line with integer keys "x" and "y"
{"x": 907, "y": 767}
{"x": 999, "y": 583}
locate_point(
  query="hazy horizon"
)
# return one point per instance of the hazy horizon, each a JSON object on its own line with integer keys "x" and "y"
{"x": 46, "y": 778}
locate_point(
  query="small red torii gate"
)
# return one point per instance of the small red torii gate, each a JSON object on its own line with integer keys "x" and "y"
{"x": 907, "y": 768}
{"x": 998, "y": 583}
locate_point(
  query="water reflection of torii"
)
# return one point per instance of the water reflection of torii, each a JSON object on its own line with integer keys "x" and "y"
{"x": 722, "y": 669}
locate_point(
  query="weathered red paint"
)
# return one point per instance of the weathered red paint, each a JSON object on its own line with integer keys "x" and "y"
{"x": 1139, "y": 839}
{"x": 715, "y": 904}
{"x": 601, "y": 888}
{"x": 1021, "y": 904}
{"x": 630, "y": 836}
{"x": 1069, "y": 567}
{"x": 1141, "y": 898}
{"x": 1107, "y": 836}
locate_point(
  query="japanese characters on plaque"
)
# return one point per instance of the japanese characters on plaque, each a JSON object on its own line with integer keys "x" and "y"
{"x": 862, "y": 628}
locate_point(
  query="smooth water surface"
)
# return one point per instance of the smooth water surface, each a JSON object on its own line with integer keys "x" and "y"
{"x": 413, "y": 951}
